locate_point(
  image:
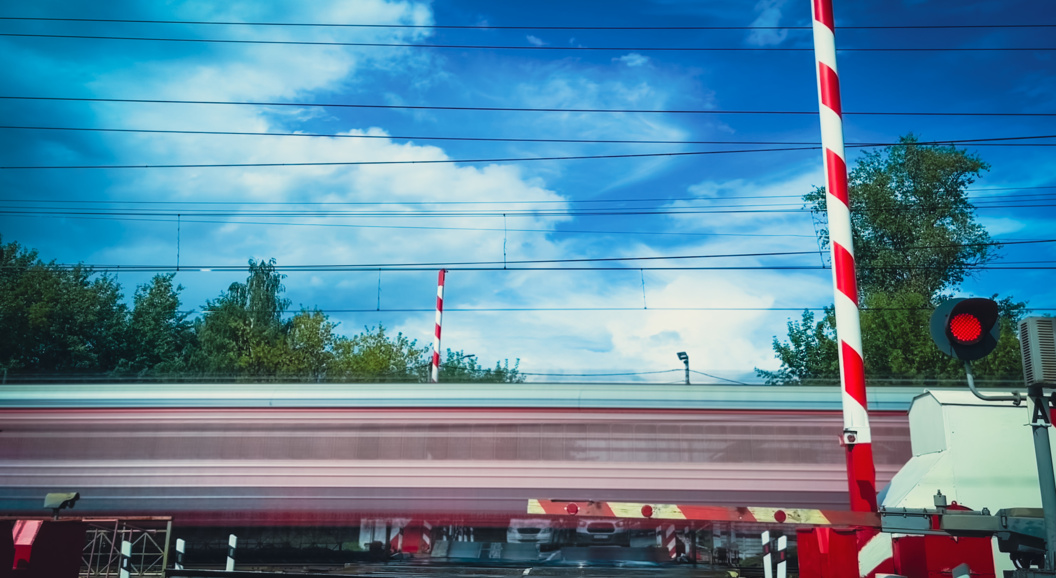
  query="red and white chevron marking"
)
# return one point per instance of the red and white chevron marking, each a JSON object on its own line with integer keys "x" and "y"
{"x": 790, "y": 516}
{"x": 427, "y": 537}
{"x": 670, "y": 540}
{"x": 857, "y": 437}
{"x": 435, "y": 375}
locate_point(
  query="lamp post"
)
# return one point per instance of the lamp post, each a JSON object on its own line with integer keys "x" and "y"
{"x": 685, "y": 359}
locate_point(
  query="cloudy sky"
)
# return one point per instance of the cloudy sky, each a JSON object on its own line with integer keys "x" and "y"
{"x": 508, "y": 206}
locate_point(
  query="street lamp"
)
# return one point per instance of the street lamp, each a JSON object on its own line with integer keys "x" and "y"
{"x": 685, "y": 359}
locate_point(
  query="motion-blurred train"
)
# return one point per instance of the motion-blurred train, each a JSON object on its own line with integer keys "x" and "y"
{"x": 332, "y": 454}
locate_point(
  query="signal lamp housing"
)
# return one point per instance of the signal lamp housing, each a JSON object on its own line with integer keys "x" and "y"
{"x": 966, "y": 329}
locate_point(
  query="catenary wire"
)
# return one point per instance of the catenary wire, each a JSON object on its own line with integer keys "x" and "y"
{"x": 411, "y": 162}
{"x": 357, "y": 226}
{"x": 519, "y": 109}
{"x": 489, "y": 213}
{"x": 1046, "y": 196}
{"x": 976, "y": 141}
{"x": 350, "y": 269}
{"x": 189, "y": 208}
{"x": 497, "y": 27}
{"x": 455, "y": 265}
{"x": 530, "y": 47}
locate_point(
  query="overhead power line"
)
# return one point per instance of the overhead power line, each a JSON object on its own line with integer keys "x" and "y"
{"x": 659, "y": 200}
{"x": 531, "y": 47}
{"x": 517, "y": 109}
{"x": 489, "y": 213}
{"x": 350, "y": 269}
{"x": 576, "y": 309}
{"x": 412, "y": 162}
{"x": 402, "y": 227}
{"x": 979, "y": 141}
{"x": 461, "y": 264}
{"x": 523, "y": 27}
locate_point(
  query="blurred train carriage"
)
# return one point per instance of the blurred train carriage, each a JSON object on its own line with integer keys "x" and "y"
{"x": 428, "y": 462}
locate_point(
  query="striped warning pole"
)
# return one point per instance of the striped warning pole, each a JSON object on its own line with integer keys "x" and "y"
{"x": 861, "y": 473}
{"x": 768, "y": 569}
{"x": 435, "y": 376}
{"x": 427, "y": 537}
{"x": 670, "y": 541}
{"x": 125, "y": 569}
{"x": 232, "y": 543}
{"x": 181, "y": 548}
{"x": 782, "y": 563}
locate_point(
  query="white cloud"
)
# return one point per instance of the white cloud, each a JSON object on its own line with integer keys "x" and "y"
{"x": 720, "y": 342}
{"x": 769, "y": 16}
{"x": 633, "y": 59}
{"x": 535, "y": 41}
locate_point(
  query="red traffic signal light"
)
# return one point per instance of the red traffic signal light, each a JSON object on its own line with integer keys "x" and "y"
{"x": 966, "y": 328}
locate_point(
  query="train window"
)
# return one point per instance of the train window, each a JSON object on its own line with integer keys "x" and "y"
{"x": 390, "y": 442}
{"x": 436, "y": 442}
{"x": 528, "y": 442}
{"x": 485, "y": 442}
{"x": 414, "y": 443}
{"x": 593, "y": 443}
{"x": 460, "y": 443}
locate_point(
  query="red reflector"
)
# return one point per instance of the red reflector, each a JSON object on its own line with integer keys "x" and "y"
{"x": 780, "y": 516}
{"x": 647, "y": 511}
{"x": 572, "y": 508}
{"x": 966, "y": 328}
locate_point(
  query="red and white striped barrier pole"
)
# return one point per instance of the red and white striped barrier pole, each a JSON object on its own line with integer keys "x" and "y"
{"x": 435, "y": 375}
{"x": 427, "y": 537}
{"x": 874, "y": 548}
{"x": 670, "y": 541}
{"x": 861, "y": 473}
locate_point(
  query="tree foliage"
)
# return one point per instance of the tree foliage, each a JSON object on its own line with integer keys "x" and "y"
{"x": 374, "y": 356}
{"x": 57, "y": 317}
{"x": 915, "y": 240}
{"x": 58, "y": 321}
{"x": 461, "y": 368}
{"x": 160, "y": 339}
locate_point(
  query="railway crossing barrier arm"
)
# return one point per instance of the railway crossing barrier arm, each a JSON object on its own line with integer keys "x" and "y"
{"x": 699, "y": 513}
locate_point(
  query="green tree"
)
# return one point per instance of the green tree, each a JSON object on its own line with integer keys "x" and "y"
{"x": 374, "y": 356}
{"x": 56, "y": 319}
{"x": 914, "y": 229}
{"x": 160, "y": 337}
{"x": 242, "y": 332}
{"x": 915, "y": 239}
{"x": 311, "y": 343}
{"x": 458, "y": 367}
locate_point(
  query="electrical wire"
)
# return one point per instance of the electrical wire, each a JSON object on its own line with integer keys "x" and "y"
{"x": 517, "y": 109}
{"x": 485, "y": 213}
{"x": 717, "y": 377}
{"x": 978, "y": 141}
{"x": 494, "y": 27}
{"x": 357, "y": 226}
{"x": 598, "y": 374}
{"x": 412, "y": 162}
{"x": 461, "y": 264}
{"x": 661, "y": 200}
{"x": 530, "y": 47}
{"x": 349, "y": 268}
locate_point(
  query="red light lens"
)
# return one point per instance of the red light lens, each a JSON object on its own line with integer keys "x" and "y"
{"x": 966, "y": 328}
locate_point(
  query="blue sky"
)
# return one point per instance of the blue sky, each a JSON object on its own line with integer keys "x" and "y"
{"x": 726, "y": 343}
